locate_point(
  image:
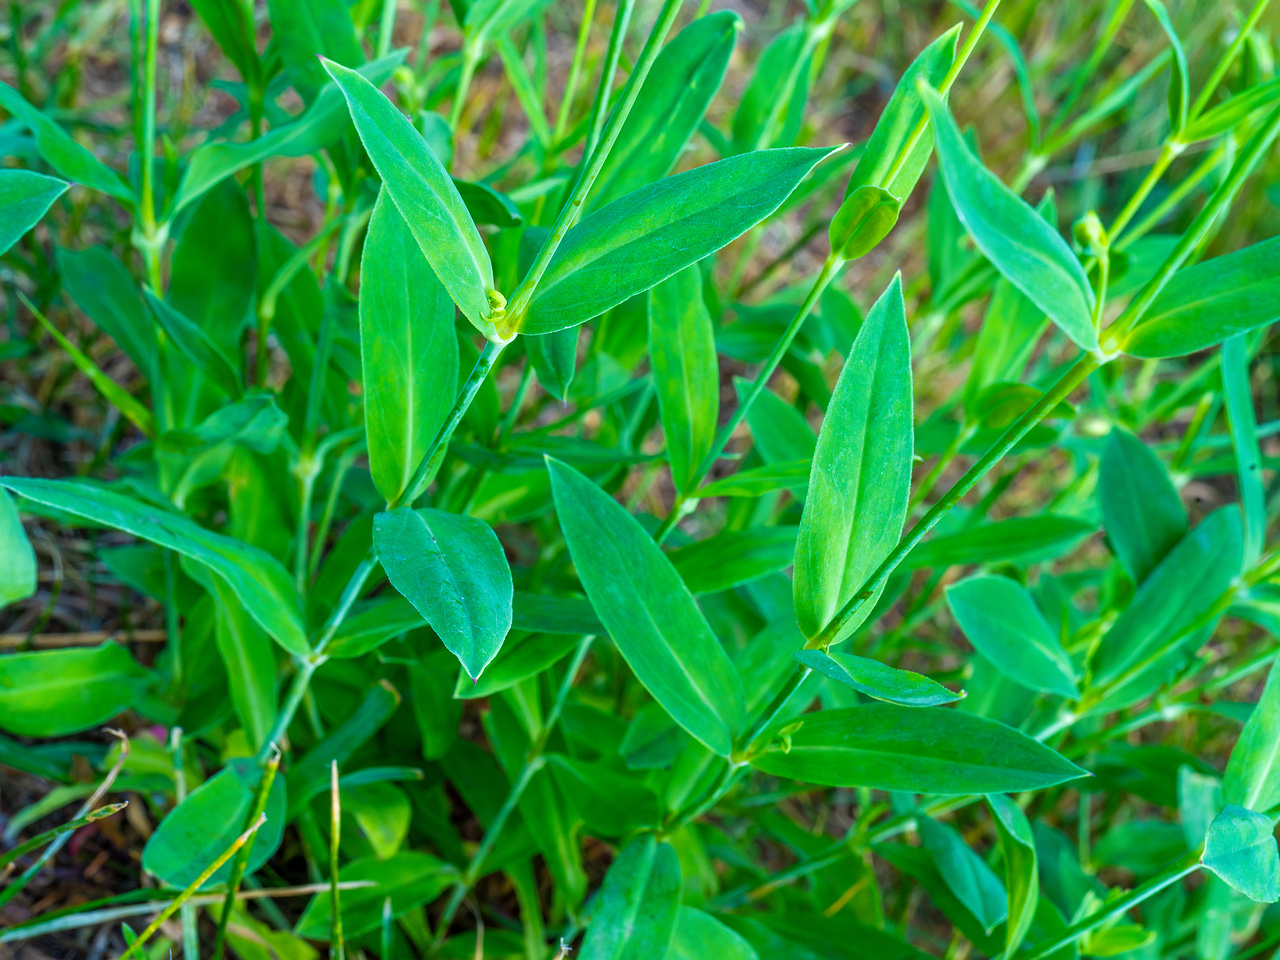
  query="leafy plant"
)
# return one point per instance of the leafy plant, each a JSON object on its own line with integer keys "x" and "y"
{"x": 621, "y": 661}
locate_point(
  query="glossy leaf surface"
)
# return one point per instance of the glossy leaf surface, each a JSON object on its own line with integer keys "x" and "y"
{"x": 877, "y": 680}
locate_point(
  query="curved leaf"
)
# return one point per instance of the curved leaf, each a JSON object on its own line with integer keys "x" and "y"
{"x": 50, "y": 693}
{"x": 1141, "y": 509}
{"x": 25, "y": 197}
{"x": 878, "y": 680}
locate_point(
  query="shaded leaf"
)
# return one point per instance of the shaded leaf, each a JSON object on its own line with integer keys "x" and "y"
{"x": 878, "y": 680}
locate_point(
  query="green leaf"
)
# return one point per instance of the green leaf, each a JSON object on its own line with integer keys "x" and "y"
{"x": 409, "y": 879}
{"x": 757, "y": 481}
{"x": 878, "y": 680}
{"x": 486, "y": 18}
{"x": 635, "y": 917}
{"x": 257, "y": 578}
{"x": 195, "y": 832}
{"x": 861, "y": 477}
{"x": 25, "y": 197}
{"x": 63, "y": 153}
{"x": 50, "y": 693}
{"x": 315, "y": 128}
{"x": 516, "y": 661}
{"x": 966, "y": 874}
{"x": 1209, "y": 302}
{"x": 611, "y": 804}
{"x": 1141, "y": 509}
{"x": 311, "y": 774}
{"x": 1240, "y": 848}
{"x": 771, "y": 107}
{"x": 17, "y": 558}
{"x": 1000, "y": 618}
{"x": 641, "y": 239}
{"x": 648, "y": 611}
{"x": 1017, "y": 240}
{"x": 1021, "y": 876}
{"x": 679, "y": 88}
{"x": 247, "y": 655}
{"x": 408, "y": 350}
{"x": 899, "y": 118}
{"x": 734, "y": 557}
{"x": 700, "y": 936}
{"x": 1008, "y": 335}
{"x": 1179, "y": 83}
{"x": 425, "y": 195}
{"x": 304, "y": 28}
{"x": 555, "y": 360}
{"x": 1227, "y": 114}
{"x": 682, "y": 354}
{"x": 1180, "y": 589}
{"x": 105, "y": 290}
{"x": 1016, "y": 540}
{"x": 1252, "y": 777}
{"x": 1244, "y": 440}
{"x": 944, "y": 752}
{"x": 198, "y": 347}
{"x": 453, "y": 570}
{"x": 231, "y": 23}
{"x": 435, "y": 710}
{"x": 863, "y": 220}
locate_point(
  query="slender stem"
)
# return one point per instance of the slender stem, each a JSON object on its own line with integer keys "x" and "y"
{"x": 1228, "y": 57}
{"x": 517, "y": 401}
{"x": 71, "y": 826}
{"x": 241, "y": 860}
{"x": 613, "y": 53}
{"x": 1089, "y": 68}
{"x": 573, "y": 207}
{"x": 470, "y": 59}
{"x": 1188, "y": 865}
{"x": 1171, "y": 199}
{"x": 1168, "y": 151}
{"x": 186, "y": 894}
{"x": 431, "y": 460}
{"x": 966, "y": 50}
{"x": 1075, "y": 376}
{"x": 532, "y": 764}
{"x": 771, "y": 712}
{"x": 337, "y": 949}
{"x": 147, "y": 204}
{"x": 575, "y": 70}
{"x": 386, "y": 26}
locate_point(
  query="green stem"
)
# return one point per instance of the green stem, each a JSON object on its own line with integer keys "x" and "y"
{"x": 532, "y": 764}
{"x": 1172, "y": 199}
{"x": 1075, "y": 376}
{"x": 573, "y": 207}
{"x": 1168, "y": 151}
{"x": 470, "y": 59}
{"x": 970, "y": 42}
{"x": 386, "y": 26}
{"x": 1227, "y": 59}
{"x": 613, "y": 53}
{"x": 575, "y": 70}
{"x": 242, "y": 855}
{"x": 743, "y": 749}
{"x": 71, "y": 826}
{"x": 337, "y": 949}
{"x": 1188, "y": 865}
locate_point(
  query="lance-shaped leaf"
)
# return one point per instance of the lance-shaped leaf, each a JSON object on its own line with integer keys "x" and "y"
{"x": 452, "y": 569}
{"x": 1141, "y": 510}
{"x": 684, "y": 78}
{"x": 734, "y": 557}
{"x": 17, "y": 559}
{"x": 25, "y": 197}
{"x": 700, "y": 936}
{"x": 316, "y": 127}
{"x": 63, "y": 153}
{"x": 408, "y": 350}
{"x": 258, "y": 579}
{"x": 682, "y": 353}
{"x": 1016, "y": 540}
{"x": 641, "y": 239}
{"x": 1021, "y": 879}
{"x": 198, "y": 347}
{"x": 1179, "y": 81}
{"x": 1240, "y": 848}
{"x": 424, "y": 194}
{"x": 1017, "y": 240}
{"x": 648, "y": 611}
{"x": 1181, "y": 588}
{"x": 1001, "y": 619}
{"x": 967, "y": 875}
{"x": 50, "y": 693}
{"x": 888, "y": 747}
{"x": 878, "y": 680}
{"x": 555, "y": 360}
{"x": 1252, "y": 777}
{"x": 861, "y": 476}
{"x": 635, "y": 916}
{"x": 105, "y": 290}
{"x": 1238, "y": 394}
{"x": 899, "y": 118}
{"x": 303, "y": 30}
{"x": 1211, "y": 301}
{"x": 195, "y": 832}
